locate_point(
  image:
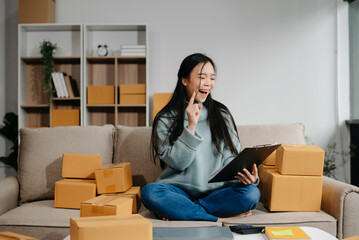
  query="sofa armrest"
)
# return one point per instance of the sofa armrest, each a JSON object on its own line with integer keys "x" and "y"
{"x": 9, "y": 193}
{"x": 341, "y": 200}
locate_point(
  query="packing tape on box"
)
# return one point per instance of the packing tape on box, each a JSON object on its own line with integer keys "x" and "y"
{"x": 107, "y": 173}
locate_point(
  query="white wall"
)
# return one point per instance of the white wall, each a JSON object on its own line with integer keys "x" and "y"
{"x": 276, "y": 59}
{"x": 2, "y": 78}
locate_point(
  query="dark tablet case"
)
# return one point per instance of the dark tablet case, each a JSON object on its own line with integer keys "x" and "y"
{"x": 245, "y": 159}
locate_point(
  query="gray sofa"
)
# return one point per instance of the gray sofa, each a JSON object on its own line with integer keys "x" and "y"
{"x": 26, "y": 200}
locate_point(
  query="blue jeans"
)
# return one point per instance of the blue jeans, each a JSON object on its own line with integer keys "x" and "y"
{"x": 173, "y": 203}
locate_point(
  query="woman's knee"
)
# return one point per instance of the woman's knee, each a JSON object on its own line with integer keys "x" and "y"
{"x": 253, "y": 195}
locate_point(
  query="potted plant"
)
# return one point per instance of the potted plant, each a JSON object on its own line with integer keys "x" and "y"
{"x": 10, "y": 132}
{"x": 47, "y": 50}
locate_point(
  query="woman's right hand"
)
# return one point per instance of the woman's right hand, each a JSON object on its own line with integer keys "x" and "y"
{"x": 193, "y": 112}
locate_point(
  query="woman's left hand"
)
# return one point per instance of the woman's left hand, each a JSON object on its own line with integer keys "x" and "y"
{"x": 248, "y": 178}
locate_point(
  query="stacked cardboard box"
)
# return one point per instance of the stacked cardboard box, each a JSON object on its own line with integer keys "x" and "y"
{"x": 132, "y": 94}
{"x": 295, "y": 182}
{"x": 134, "y": 193}
{"x": 79, "y": 183}
{"x": 130, "y": 227}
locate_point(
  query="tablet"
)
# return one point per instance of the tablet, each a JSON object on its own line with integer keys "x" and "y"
{"x": 245, "y": 159}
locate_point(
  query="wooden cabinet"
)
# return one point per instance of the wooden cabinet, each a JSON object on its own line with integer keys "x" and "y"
{"x": 77, "y": 56}
{"x": 115, "y": 70}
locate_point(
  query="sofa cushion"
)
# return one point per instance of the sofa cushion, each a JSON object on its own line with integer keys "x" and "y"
{"x": 39, "y": 213}
{"x": 133, "y": 144}
{"x": 40, "y": 155}
{"x": 250, "y": 135}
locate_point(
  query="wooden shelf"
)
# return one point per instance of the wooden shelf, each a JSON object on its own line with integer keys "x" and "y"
{"x": 67, "y": 99}
{"x": 38, "y": 60}
{"x": 35, "y": 106}
{"x": 100, "y": 105}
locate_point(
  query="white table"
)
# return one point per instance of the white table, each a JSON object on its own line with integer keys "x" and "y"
{"x": 313, "y": 233}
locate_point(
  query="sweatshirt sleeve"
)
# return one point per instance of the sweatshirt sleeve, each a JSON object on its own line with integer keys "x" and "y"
{"x": 181, "y": 154}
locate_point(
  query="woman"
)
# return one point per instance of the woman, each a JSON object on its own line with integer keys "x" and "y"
{"x": 194, "y": 136}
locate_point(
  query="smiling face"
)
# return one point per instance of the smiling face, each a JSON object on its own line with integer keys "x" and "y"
{"x": 201, "y": 80}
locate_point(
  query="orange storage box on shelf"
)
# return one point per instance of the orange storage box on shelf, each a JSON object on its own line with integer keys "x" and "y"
{"x": 132, "y": 94}
{"x": 101, "y": 94}
{"x": 65, "y": 117}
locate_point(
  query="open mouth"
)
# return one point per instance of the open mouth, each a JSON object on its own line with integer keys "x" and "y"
{"x": 203, "y": 92}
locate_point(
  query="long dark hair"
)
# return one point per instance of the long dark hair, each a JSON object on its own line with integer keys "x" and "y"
{"x": 219, "y": 125}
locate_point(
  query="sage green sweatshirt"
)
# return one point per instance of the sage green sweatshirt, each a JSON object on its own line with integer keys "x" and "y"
{"x": 193, "y": 158}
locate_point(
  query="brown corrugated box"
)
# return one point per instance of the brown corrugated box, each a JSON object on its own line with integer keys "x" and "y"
{"x": 289, "y": 192}
{"x": 106, "y": 205}
{"x": 112, "y": 178}
{"x": 37, "y": 11}
{"x": 300, "y": 159}
{"x": 101, "y": 94}
{"x": 65, "y": 117}
{"x": 132, "y": 94}
{"x": 133, "y": 193}
{"x": 69, "y": 193}
{"x": 14, "y": 236}
{"x": 159, "y": 101}
{"x": 76, "y": 165}
{"x": 271, "y": 159}
{"x": 132, "y": 227}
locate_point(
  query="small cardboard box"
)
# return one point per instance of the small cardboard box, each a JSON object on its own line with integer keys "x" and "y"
{"x": 76, "y": 165}
{"x": 132, "y": 98}
{"x": 101, "y": 94}
{"x": 65, "y": 117}
{"x": 132, "y": 227}
{"x": 112, "y": 178}
{"x": 300, "y": 160}
{"x": 132, "y": 89}
{"x": 69, "y": 193}
{"x": 37, "y": 11}
{"x": 106, "y": 205}
{"x": 14, "y": 236}
{"x": 271, "y": 159}
{"x": 289, "y": 192}
{"x": 133, "y": 193}
{"x": 159, "y": 101}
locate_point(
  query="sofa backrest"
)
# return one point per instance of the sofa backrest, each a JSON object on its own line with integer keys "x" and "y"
{"x": 40, "y": 155}
{"x": 250, "y": 135}
{"x": 133, "y": 145}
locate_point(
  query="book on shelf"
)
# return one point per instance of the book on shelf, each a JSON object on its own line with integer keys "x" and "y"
{"x": 56, "y": 84}
{"x": 63, "y": 84}
{"x": 132, "y": 46}
{"x": 68, "y": 86}
{"x": 278, "y": 233}
{"x": 74, "y": 87}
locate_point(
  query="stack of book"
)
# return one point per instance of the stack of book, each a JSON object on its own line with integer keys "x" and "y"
{"x": 133, "y": 50}
{"x": 65, "y": 85}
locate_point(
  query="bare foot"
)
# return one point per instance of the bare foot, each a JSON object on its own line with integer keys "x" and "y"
{"x": 242, "y": 215}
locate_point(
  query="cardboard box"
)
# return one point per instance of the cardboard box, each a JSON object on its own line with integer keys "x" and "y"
{"x": 101, "y": 94}
{"x": 65, "y": 117}
{"x": 69, "y": 193}
{"x": 112, "y": 178}
{"x": 76, "y": 165}
{"x": 133, "y": 193}
{"x": 132, "y": 89}
{"x": 132, "y": 227}
{"x": 37, "y": 11}
{"x": 271, "y": 159}
{"x": 132, "y": 98}
{"x": 300, "y": 160}
{"x": 159, "y": 101}
{"x": 289, "y": 192}
{"x": 106, "y": 205}
{"x": 14, "y": 236}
